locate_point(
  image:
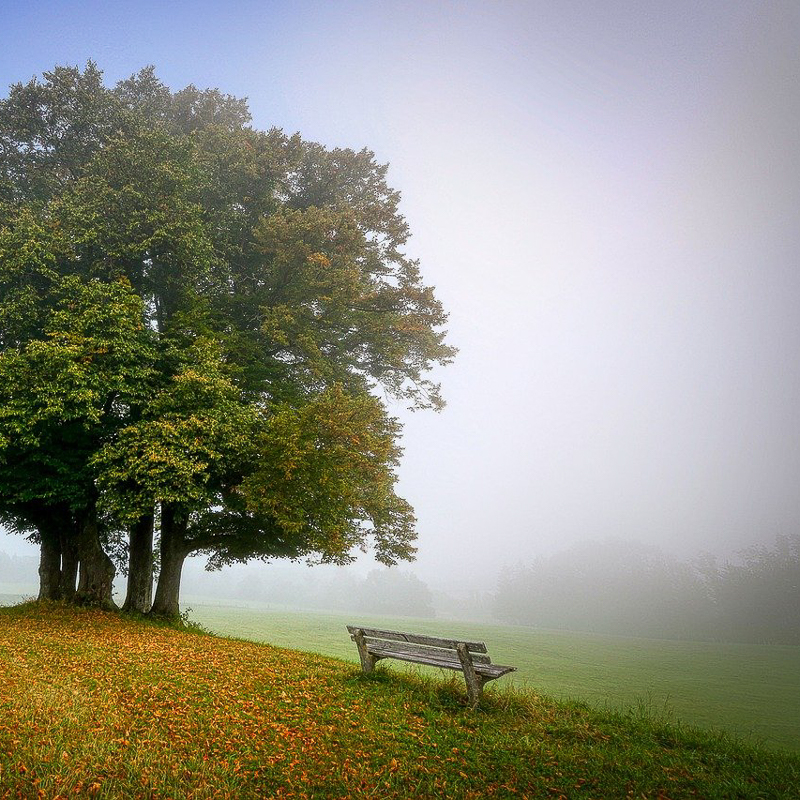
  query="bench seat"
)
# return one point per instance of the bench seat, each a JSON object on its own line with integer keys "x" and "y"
{"x": 469, "y": 657}
{"x": 490, "y": 670}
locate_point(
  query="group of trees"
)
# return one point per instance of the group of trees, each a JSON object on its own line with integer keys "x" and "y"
{"x": 195, "y": 316}
{"x": 624, "y": 588}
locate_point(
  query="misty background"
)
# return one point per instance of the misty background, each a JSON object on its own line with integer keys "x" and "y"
{"x": 605, "y": 196}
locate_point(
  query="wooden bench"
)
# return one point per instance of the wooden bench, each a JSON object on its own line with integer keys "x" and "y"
{"x": 469, "y": 657}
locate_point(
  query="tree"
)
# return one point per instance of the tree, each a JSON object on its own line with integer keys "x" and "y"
{"x": 391, "y": 591}
{"x": 612, "y": 586}
{"x": 61, "y": 396}
{"x": 755, "y": 597}
{"x": 195, "y": 318}
{"x": 628, "y": 588}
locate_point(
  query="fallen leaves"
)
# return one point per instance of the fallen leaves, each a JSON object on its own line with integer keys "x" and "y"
{"x": 95, "y": 705}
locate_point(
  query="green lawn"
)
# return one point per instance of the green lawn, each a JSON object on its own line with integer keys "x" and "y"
{"x": 750, "y": 690}
{"x": 102, "y": 706}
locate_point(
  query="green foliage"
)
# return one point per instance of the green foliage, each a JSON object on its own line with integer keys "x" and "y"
{"x": 61, "y": 396}
{"x": 199, "y": 315}
{"x": 334, "y": 311}
{"x": 326, "y": 470}
{"x": 49, "y": 129}
{"x": 188, "y": 436}
{"x": 29, "y": 252}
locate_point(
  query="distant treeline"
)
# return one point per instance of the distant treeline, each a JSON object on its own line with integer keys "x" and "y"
{"x": 381, "y": 591}
{"x": 18, "y": 569}
{"x": 627, "y": 588}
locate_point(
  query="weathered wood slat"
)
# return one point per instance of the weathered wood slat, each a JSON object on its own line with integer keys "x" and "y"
{"x": 493, "y": 670}
{"x": 433, "y": 652}
{"x": 415, "y": 638}
{"x": 391, "y": 650}
{"x": 489, "y": 670}
{"x": 444, "y": 663}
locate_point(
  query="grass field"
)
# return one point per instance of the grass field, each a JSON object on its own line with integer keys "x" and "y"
{"x": 97, "y": 705}
{"x": 750, "y": 690}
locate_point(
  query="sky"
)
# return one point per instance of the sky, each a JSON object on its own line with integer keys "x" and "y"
{"x": 605, "y": 196}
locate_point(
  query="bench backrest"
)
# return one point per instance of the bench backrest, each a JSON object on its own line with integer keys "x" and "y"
{"x": 417, "y": 643}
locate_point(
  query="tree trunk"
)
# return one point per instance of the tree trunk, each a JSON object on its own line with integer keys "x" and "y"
{"x": 140, "y": 567}
{"x": 69, "y": 565}
{"x": 49, "y": 563}
{"x": 174, "y": 550}
{"x": 96, "y": 568}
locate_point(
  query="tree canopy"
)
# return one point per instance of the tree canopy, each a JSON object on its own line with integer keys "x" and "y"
{"x": 200, "y": 323}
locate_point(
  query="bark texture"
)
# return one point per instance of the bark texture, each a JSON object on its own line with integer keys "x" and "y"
{"x": 49, "y": 564}
{"x": 96, "y": 568}
{"x": 69, "y": 564}
{"x": 140, "y": 567}
{"x": 174, "y": 549}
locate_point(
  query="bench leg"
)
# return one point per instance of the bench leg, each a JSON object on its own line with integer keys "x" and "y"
{"x": 473, "y": 680}
{"x": 474, "y": 690}
{"x": 367, "y": 660}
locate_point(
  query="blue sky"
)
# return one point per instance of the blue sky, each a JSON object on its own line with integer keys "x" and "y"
{"x": 605, "y": 196}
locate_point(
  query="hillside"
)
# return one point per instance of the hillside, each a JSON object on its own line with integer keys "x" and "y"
{"x": 92, "y": 704}
{"x": 749, "y": 691}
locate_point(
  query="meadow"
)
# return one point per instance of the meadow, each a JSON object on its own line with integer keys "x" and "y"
{"x": 752, "y": 691}
{"x": 94, "y": 704}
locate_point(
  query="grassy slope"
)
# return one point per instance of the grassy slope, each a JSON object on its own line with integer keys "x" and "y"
{"x": 750, "y": 690}
{"x": 95, "y": 705}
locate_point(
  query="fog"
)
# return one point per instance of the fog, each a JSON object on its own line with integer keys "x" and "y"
{"x": 605, "y": 196}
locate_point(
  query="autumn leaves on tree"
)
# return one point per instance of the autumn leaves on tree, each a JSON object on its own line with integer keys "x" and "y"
{"x": 194, "y": 319}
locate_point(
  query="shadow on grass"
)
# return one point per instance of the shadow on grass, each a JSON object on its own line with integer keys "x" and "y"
{"x": 446, "y": 693}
